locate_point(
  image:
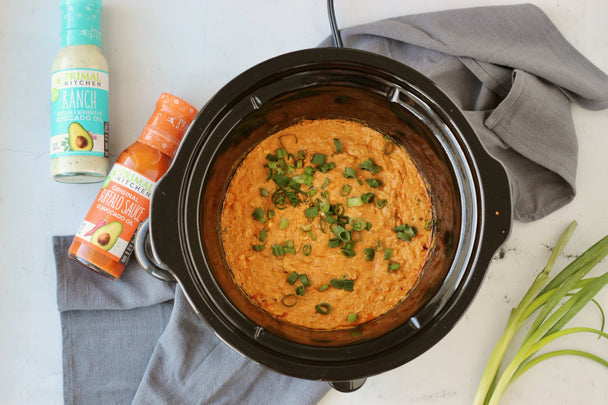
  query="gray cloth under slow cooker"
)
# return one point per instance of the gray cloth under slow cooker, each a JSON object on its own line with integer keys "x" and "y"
{"x": 513, "y": 74}
{"x": 136, "y": 340}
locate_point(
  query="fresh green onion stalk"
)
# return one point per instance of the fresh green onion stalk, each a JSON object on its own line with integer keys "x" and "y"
{"x": 555, "y": 301}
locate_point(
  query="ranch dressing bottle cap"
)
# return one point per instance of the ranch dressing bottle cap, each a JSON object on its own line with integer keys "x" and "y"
{"x": 80, "y": 22}
{"x": 168, "y": 124}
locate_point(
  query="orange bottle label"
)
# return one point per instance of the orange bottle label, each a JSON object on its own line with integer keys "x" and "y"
{"x": 121, "y": 205}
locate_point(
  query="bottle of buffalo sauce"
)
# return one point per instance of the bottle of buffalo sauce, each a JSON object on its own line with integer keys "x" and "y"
{"x": 104, "y": 241}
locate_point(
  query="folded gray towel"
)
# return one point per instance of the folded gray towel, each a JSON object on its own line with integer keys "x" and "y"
{"x": 513, "y": 74}
{"x": 137, "y": 340}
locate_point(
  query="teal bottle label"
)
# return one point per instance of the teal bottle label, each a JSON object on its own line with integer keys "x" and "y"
{"x": 79, "y": 112}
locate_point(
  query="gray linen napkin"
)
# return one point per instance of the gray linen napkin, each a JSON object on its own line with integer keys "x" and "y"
{"x": 513, "y": 74}
{"x": 137, "y": 340}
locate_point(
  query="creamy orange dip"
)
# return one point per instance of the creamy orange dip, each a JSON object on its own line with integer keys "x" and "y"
{"x": 294, "y": 261}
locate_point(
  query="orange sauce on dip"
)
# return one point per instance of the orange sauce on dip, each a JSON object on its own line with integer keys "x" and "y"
{"x": 268, "y": 241}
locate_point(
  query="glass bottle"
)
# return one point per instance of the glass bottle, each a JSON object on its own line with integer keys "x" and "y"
{"x": 104, "y": 241}
{"x": 79, "y": 97}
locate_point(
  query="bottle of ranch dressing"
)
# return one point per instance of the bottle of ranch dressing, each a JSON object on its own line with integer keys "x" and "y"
{"x": 79, "y": 97}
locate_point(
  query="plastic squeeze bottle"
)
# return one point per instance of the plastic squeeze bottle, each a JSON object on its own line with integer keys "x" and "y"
{"x": 104, "y": 241}
{"x": 79, "y": 97}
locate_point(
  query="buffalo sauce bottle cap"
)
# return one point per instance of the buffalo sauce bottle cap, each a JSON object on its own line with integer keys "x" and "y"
{"x": 168, "y": 124}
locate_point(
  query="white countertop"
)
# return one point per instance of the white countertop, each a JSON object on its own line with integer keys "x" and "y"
{"x": 192, "y": 48}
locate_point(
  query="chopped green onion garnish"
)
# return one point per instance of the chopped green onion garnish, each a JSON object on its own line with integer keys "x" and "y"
{"x": 368, "y": 197}
{"x": 428, "y": 224}
{"x": 405, "y": 232}
{"x": 336, "y": 283}
{"x": 357, "y": 224}
{"x": 289, "y": 300}
{"x": 345, "y": 190}
{"x": 369, "y": 254}
{"x": 312, "y": 236}
{"x": 354, "y": 201}
{"x": 292, "y": 277}
{"x": 352, "y": 317}
{"x": 278, "y": 250}
{"x": 307, "y": 250}
{"x": 262, "y": 236}
{"x": 270, "y": 214}
{"x": 348, "y": 252}
{"x": 258, "y": 248}
{"x": 271, "y": 158}
{"x": 324, "y": 287}
{"x": 311, "y": 212}
{"x": 281, "y": 153}
{"x": 369, "y": 165}
{"x": 338, "y": 145}
{"x": 325, "y": 182}
{"x": 301, "y": 154}
{"x": 393, "y": 266}
{"x": 281, "y": 179}
{"x": 284, "y": 223}
{"x": 304, "y": 280}
{"x": 318, "y": 158}
{"x": 348, "y": 285}
{"x": 324, "y": 168}
{"x": 388, "y": 253}
{"x": 350, "y": 173}
{"x": 368, "y": 226}
{"x": 388, "y": 147}
{"x": 381, "y": 203}
{"x": 379, "y": 246}
{"x": 288, "y": 247}
{"x": 312, "y": 192}
{"x": 341, "y": 233}
{"x": 374, "y": 183}
{"x": 258, "y": 214}
{"x": 301, "y": 290}
{"x": 263, "y": 192}
{"x": 323, "y": 308}
{"x": 334, "y": 242}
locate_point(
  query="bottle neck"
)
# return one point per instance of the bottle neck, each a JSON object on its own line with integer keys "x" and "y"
{"x": 80, "y": 23}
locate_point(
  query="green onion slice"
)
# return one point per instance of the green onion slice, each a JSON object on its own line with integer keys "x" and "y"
{"x": 304, "y": 280}
{"x": 381, "y": 203}
{"x": 311, "y": 212}
{"x": 323, "y": 308}
{"x": 258, "y": 248}
{"x": 352, "y": 317}
{"x": 374, "y": 183}
{"x": 428, "y": 224}
{"x": 262, "y": 236}
{"x": 389, "y": 146}
{"x": 263, "y": 192}
{"x": 318, "y": 158}
{"x": 292, "y": 277}
{"x": 324, "y": 287}
{"x": 354, "y": 201}
{"x": 338, "y": 145}
{"x": 345, "y": 190}
{"x": 258, "y": 214}
{"x": 307, "y": 250}
{"x": 393, "y": 266}
{"x": 289, "y": 300}
{"x": 369, "y": 165}
{"x": 301, "y": 290}
{"x": 388, "y": 252}
{"x": 325, "y": 182}
{"x": 368, "y": 197}
{"x": 350, "y": 173}
{"x": 284, "y": 223}
{"x": 369, "y": 254}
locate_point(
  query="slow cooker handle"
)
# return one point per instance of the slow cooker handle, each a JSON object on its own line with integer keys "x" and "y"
{"x": 145, "y": 256}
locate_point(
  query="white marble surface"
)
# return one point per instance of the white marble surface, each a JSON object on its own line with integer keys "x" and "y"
{"x": 191, "y": 48}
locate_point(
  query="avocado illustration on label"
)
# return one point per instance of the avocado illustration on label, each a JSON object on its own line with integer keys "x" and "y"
{"x": 106, "y": 236}
{"x": 79, "y": 138}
